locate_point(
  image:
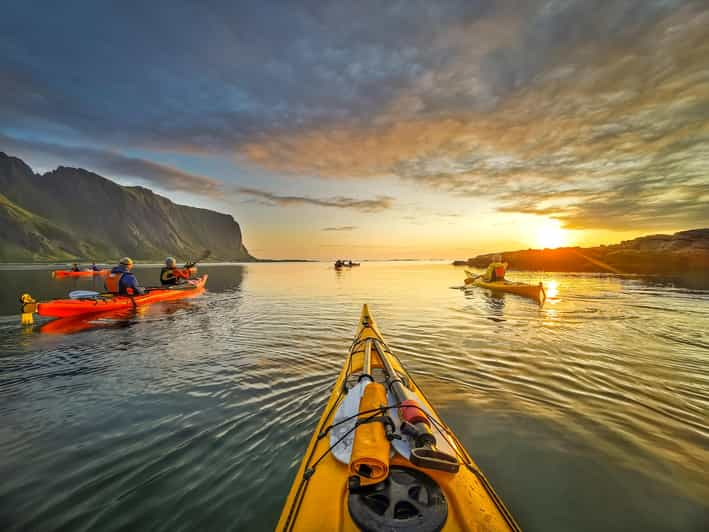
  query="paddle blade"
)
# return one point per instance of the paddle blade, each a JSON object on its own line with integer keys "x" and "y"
{"x": 203, "y": 256}
{"x": 83, "y": 294}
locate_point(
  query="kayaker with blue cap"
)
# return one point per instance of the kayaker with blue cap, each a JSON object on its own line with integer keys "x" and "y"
{"x": 122, "y": 281}
{"x": 496, "y": 270}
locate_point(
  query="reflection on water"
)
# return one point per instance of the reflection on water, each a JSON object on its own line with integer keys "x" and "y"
{"x": 552, "y": 289}
{"x": 116, "y": 318}
{"x": 588, "y": 413}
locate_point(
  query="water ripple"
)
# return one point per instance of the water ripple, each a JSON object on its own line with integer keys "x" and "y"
{"x": 195, "y": 416}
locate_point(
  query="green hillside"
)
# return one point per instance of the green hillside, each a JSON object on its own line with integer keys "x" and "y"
{"x": 73, "y": 213}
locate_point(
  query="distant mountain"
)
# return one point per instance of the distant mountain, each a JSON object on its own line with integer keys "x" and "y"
{"x": 677, "y": 254}
{"x": 71, "y": 213}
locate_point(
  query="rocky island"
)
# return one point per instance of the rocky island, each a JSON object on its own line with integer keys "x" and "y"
{"x": 686, "y": 252}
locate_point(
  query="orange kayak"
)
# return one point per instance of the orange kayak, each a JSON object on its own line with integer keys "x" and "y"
{"x": 62, "y": 308}
{"x": 56, "y": 274}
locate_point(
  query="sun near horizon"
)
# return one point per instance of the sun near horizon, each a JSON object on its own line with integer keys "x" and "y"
{"x": 551, "y": 235}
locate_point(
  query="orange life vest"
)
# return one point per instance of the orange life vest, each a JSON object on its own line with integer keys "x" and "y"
{"x": 496, "y": 271}
{"x": 500, "y": 273}
{"x": 113, "y": 282}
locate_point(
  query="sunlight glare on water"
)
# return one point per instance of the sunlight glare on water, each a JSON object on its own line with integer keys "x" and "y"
{"x": 588, "y": 413}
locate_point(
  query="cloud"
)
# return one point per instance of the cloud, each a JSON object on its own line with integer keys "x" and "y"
{"x": 212, "y": 79}
{"x": 113, "y": 163}
{"x": 612, "y": 134}
{"x": 341, "y": 202}
{"x": 593, "y": 113}
{"x": 219, "y": 78}
{"x": 341, "y": 228}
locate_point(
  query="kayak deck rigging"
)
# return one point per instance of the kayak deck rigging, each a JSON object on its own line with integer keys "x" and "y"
{"x": 429, "y": 495}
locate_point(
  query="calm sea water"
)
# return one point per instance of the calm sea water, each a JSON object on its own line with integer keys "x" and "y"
{"x": 589, "y": 413}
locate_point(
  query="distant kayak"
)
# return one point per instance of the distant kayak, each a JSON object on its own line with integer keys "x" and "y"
{"x": 381, "y": 457}
{"x": 532, "y": 291}
{"x": 57, "y": 274}
{"x": 63, "y": 308}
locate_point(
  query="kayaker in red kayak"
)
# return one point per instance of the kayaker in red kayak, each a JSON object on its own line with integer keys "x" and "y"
{"x": 94, "y": 267}
{"x": 122, "y": 281}
{"x": 496, "y": 270}
{"x": 75, "y": 268}
{"x": 171, "y": 274}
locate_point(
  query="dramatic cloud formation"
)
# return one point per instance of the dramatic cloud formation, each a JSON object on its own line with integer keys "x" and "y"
{"x": 616, "y": 134}
{"x": 113, "y": 163}
{"x": 592, "y": 113}
{"x": 340, "y": 202}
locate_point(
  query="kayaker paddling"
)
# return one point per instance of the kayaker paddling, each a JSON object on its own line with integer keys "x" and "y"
{"x": 85, "y": 302}
{"x": 535, "y": 292}
{"x": 75, "y": 268}
{"x": 171, "y": 274}
{"x": 495, "y": 270}
{"x": 122, "y": 281}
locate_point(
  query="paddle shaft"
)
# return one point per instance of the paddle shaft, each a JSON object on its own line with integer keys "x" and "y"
{"x": 472, "y": 276}
{"x": 416, "y": 424}
{"x": 423, "y": 436}
{"x": 367, "y": 367}
{"x": 204, "y": 255}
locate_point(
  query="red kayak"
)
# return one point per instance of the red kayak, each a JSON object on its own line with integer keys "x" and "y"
{"x": 63, "y": 308}
{"x": 56, "y": 274}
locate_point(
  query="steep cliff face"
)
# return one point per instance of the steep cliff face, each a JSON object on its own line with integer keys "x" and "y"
{"x": 686, "y": 251}
{"x": 73, "y": 213}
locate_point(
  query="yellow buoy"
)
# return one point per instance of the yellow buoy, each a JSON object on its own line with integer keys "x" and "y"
{"x": 29, "y": 307}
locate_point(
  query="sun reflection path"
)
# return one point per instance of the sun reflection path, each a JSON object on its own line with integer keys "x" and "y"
{"x": 552, "y": 289}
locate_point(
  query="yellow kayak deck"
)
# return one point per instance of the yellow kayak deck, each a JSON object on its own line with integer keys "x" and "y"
{"x": 320, "y": 499}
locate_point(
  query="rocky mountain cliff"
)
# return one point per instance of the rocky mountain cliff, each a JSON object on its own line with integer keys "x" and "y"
{"x": 686, "y": 251}
{"x": 71, "y": 213}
